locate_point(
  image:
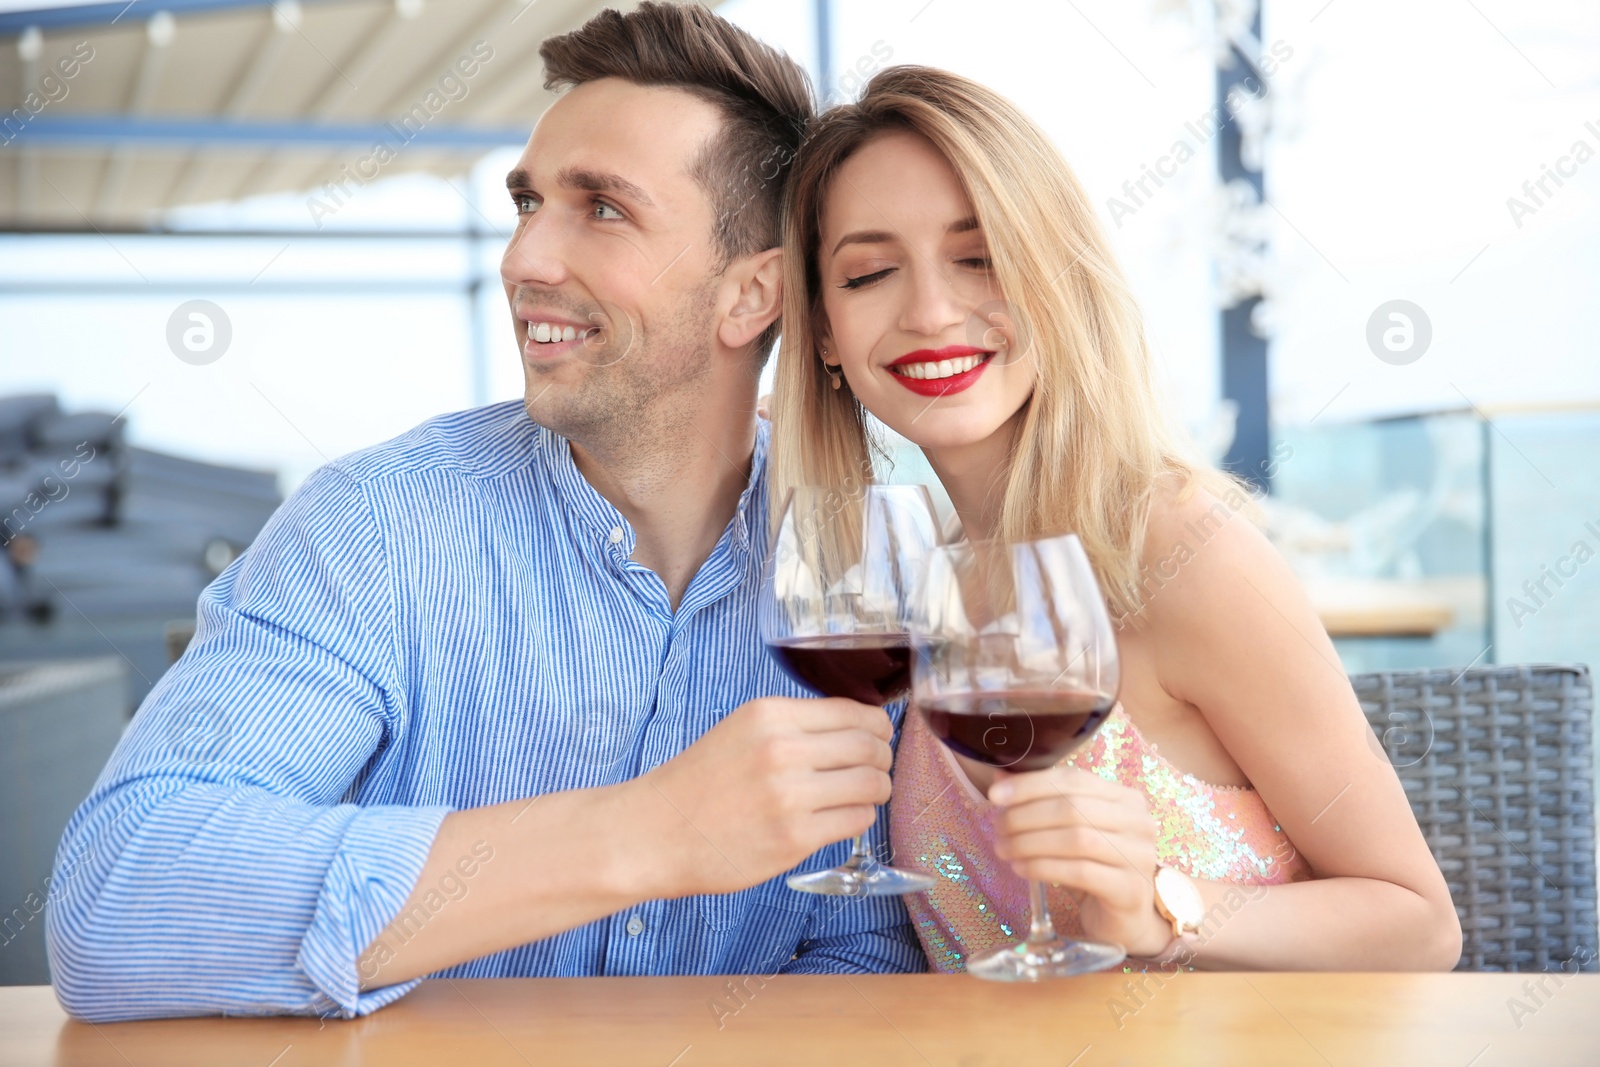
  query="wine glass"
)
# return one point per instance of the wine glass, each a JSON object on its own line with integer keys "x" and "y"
{"x": 1017, "y": 667}
{"x": 844, "y": 565}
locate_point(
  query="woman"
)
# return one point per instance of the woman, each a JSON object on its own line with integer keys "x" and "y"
{"x": 948, "y": 276}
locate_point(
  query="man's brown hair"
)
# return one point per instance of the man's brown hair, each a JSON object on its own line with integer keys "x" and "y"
{"x": 765, "y": 98}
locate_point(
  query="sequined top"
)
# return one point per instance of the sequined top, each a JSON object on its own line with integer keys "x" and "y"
{"x": 941, "y": 824}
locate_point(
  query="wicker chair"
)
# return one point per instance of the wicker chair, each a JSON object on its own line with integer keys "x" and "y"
{"x": 1498, "y": 765}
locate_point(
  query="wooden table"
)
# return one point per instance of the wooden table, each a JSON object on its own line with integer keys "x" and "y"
{"x": 1359, "y": 1019}
{"x": 1384, "y": 608}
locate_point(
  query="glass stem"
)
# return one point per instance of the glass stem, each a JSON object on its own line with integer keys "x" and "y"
{"x": 1040, "y": 928}
{"x": 860, "y": 854}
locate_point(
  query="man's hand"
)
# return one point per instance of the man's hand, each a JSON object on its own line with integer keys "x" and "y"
{"x": 759, "y": 792}
{"x": 772, "y": 783}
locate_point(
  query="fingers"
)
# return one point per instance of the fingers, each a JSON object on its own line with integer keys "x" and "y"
{"x": 1112, "y": 814}
{"x": 1075, "y": 843}
{"x": 842, "y": 824}
{"x": 835, "y": 713}
{"x": 1068, "y": 816}
{"x": 1051, "y": 782}
{"x": 1086, "y": 876}
{"x": 850, "y": 787}
{"x": 838, "y": 749}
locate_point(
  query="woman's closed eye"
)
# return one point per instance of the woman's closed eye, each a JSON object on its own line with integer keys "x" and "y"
{"x": 980, "y": 264}
{"x": 866, "y": 279}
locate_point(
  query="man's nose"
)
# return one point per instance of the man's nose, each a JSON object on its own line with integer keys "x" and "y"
{"x": 535, "y": 255}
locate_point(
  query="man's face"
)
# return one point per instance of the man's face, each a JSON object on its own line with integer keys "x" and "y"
{"x": 613, "y": 255}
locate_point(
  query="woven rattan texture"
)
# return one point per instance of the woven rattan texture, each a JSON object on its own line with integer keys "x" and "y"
{"x": 1498, "y": 765}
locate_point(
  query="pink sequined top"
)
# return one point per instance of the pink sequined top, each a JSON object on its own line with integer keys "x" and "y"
{"x": 939, "y": 823}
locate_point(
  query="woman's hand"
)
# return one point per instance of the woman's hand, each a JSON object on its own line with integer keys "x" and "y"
{"x": 1095, "y": 838}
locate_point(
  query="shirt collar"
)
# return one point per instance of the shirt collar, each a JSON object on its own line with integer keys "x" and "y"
{"x": 750, "y": 519}
{"x": 600, "y": 519}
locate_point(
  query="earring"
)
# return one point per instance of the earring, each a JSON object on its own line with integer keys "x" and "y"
{"x": 838, "y": 379}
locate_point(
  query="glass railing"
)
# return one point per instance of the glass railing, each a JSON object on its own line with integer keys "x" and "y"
{"x": 1445, "y": 539}
{"x": 1386, "y": 522}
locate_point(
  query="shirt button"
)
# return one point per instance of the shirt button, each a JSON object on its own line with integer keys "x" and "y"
{"x": 615, "y": 537}
{"x": 635, "y": 926}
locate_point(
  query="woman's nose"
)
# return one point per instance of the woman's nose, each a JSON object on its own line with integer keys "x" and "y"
{"x": 932, "y": 305}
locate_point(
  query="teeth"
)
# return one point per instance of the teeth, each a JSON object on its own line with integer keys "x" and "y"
{"x": 548, "y": 333}
{"x": 943, "y": 368}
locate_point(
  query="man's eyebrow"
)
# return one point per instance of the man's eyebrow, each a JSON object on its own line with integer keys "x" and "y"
{"x": 595, "y": 181}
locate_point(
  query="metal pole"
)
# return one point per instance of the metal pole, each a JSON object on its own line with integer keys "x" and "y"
{"x": 1244, "y": 352}
{"x": 480, "y": 335}
{"x": 824, "y": 17}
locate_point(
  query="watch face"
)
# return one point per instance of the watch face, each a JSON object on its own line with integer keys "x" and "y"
{"x": 1181, "y": 898}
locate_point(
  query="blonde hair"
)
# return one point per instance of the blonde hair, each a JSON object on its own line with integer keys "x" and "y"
{"x": 1093, "y": 442}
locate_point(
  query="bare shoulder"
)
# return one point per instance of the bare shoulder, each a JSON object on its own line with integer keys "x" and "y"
{"x": 1190, "y": 522}
{"x": 1204, "y": 555}
{"x": 1234, "y": 632}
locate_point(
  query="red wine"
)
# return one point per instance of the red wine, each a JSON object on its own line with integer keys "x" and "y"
{"x": 871, "y": 668}
{"x": 1019, "y": 730}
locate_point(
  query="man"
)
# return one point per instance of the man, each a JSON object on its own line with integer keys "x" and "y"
{"x": 489, "y": 699}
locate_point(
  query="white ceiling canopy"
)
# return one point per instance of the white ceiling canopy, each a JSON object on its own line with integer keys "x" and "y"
{"x": 112, "y": 113}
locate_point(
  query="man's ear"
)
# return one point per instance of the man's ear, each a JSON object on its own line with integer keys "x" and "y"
{"x": 757, "y": 294}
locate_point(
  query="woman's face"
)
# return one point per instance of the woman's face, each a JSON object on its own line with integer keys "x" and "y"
{"x": 912, "y": 312}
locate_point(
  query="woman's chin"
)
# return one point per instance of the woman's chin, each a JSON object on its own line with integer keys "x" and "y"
{"x": 960, "y": 419}
{"x": 932, "y": 429}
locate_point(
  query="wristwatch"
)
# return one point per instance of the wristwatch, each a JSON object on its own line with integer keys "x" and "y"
{"x": 1178, "y": 900}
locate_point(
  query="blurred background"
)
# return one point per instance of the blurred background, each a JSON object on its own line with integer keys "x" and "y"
{"x": 238, "y": 239}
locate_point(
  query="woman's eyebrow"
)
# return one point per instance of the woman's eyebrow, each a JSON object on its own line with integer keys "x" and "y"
{"x": 863, "y": 237}
{"x": 878, "y": 237}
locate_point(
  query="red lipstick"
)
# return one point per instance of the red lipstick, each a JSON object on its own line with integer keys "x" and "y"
{"x": 952, "y": 383}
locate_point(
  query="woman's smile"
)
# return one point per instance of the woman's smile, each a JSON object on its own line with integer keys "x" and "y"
{"x": 940, "y": 371}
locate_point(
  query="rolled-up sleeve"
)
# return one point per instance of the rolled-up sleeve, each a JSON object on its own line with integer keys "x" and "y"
{"x": 219, "y": 865}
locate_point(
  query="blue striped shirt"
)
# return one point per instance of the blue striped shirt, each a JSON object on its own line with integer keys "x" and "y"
{"x": 443, "y": 621}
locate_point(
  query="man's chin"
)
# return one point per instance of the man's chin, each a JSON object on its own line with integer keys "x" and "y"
{"x": 543, "y": 406}
{"x": 577, "y": 417}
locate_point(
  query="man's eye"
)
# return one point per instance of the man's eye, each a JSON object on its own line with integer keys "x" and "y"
{"x": 525, "y": 204}
{"x": 601, "y": 208}
{"x": 866, "y": 279}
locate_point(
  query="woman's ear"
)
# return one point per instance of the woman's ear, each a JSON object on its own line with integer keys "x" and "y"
{"x": 756, "y": 284}
{"x": 825, "y": 344}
